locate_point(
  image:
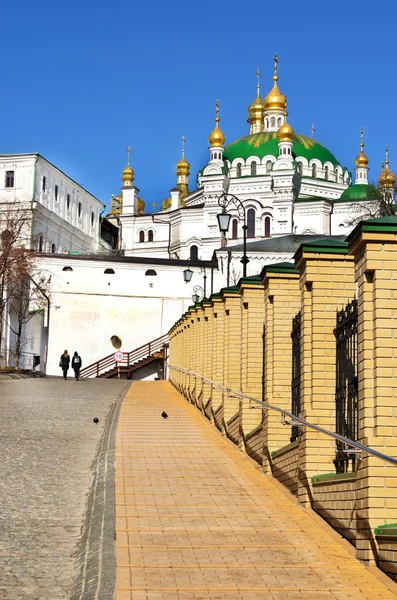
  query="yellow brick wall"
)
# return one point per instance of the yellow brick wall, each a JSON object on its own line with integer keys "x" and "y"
{"x": 282, "y": 302}
{"x": 285, "y": 467}
{"x": 335, "y": 502}
{"x": 376, "y": 277}
{"x": 232, "y": 351}
{"x": 326, "y": 284}
{"x": 252, "y": 319}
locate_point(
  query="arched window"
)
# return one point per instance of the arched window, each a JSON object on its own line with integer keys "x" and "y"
{"x": 67, "y": 269}
{"x": 141, "y": 236}
{"x": 41, "y": 243}
{"x": 150, "y": 235}
{"x": 234, "y": 229}
{"x": 251, "y": 223}
{"x": 109, "y": 271}
{"x": 151, "y": 273}
{"x": 193, "y": 253}
{"x": 300, "y": 168}
{"x": 53, "y": 248}
{"x": 326, "y": 173}
{"x": 267, "y": 226}
{"x": 253, "y": 168}
{"x": 269, "y": 165}
{"x": 238, "y": 170}
{"x": 279, "y": 122}
{"x": 314, "y": 171}
{"x": 272, "y": 122}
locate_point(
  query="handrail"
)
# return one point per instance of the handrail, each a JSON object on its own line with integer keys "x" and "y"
{"x": 130, "y": 358}
{"x": 336, "y": 436}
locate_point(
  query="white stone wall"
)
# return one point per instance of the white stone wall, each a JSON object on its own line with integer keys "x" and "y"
{"x": 88, "y": 306}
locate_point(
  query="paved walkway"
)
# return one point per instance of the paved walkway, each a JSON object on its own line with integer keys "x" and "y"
{"x": 48, "y": 446}
{"x": 196, "y": 520}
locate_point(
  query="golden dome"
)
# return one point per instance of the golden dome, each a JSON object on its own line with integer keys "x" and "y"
{"x": 183, "y": 166}
{"x": 128, "y": 175}
{"x": 275, "y": 100}
{"x": 387, "y": 179}
{"x": 362, "y": 160}
{"x": 217, "y": 137}
{"x": 141, "y": 206}
{"x": 285, "y": 133}
{"x": 166, "y": 204}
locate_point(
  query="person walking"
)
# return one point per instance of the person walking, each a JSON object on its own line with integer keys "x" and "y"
{"x": 64, "y": 363}
{"x": 76, "y": 365}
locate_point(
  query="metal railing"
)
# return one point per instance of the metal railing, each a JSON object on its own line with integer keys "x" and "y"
{"x": 294, "y": 420}
{"x": 130, "y": 358}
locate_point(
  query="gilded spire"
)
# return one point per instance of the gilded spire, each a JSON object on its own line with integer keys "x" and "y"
{"x": 255, "y": 110}
{"x": 127, "y": 176}
{"x": 217, "y": 137}
{"x": 182, "y": 166}
{"x": 362, "y": 158}
{"x": 183, "y": 172}
{"x": 275, "y": 100}
{"x": 387, "y": 179}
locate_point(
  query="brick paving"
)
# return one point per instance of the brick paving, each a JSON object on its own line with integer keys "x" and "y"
{"x": 48, "y": 445}
{"x": 196, "y": 520}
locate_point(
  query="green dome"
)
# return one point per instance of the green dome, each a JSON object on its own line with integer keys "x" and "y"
{"x": 262, "y": 144}
{"x": 360, "y": 191}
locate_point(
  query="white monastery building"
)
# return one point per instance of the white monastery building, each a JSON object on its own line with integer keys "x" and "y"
{"x": 289, "y": 185}
{"x": 65, "y": 217}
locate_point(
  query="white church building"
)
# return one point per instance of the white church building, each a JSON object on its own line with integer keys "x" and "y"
{"x": 288, "y": 184}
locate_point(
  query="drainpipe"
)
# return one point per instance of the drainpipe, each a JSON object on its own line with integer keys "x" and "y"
{"x": 33, "y": 199}
{"x": 169, "y": 232}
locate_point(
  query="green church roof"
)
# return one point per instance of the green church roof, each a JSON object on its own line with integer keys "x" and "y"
{"x": 262, "y": 144}
{"x": 360, "y": 191}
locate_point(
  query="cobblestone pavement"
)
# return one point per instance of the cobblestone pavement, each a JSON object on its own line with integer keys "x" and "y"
{"x": 48, "y": 443}
{"x": 196, "y": 520}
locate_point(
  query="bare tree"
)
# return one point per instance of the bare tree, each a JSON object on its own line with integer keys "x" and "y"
{"x": 15, "y": 224}
{"x": 29, "y": 292}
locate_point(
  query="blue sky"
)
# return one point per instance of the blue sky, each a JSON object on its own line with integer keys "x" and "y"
{"x": 83, "y": 79}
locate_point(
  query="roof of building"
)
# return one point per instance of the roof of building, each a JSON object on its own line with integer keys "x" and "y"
{"x": 359, "y": 192}
{"x": 285, "y": 243}
{"x": 262, "y": 144}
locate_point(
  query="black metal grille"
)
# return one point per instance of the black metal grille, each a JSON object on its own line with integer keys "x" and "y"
{"x": 346, "y": 390}
{"x": 296, "y": 371}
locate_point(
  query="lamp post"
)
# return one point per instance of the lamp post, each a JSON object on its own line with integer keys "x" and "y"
{"x": 187, "y": 275}
{"x": 224, "y": 201}
{"x": 198, "y": 295}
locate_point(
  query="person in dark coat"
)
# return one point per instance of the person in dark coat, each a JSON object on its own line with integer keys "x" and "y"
{"x": 64, "y": 363}
{"x": 76, "y": 365}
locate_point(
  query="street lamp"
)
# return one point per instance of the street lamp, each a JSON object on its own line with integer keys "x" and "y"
{"x": 224, "y": 201}
{"x": 198, "y": 295}
{"x": 187, "y": 275}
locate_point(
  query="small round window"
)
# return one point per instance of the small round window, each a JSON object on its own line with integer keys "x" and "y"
{"x": 116, "y": 341}
{"x": 151, "y": 273}
{"x": 109, "y": 271}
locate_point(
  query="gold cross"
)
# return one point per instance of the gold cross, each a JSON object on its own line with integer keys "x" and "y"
{"x": 275, "y": 63}
{"x": 313, "y": 130}
{"x": 128, "y": 152}
{"x": 362, "y": 138}
{"x": 217, "y": 110}
{"x": 183, "y": 144}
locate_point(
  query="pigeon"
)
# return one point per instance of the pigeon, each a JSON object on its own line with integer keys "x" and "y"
{"x": 164, "y": 415}
{"x": 96, "y": 420}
